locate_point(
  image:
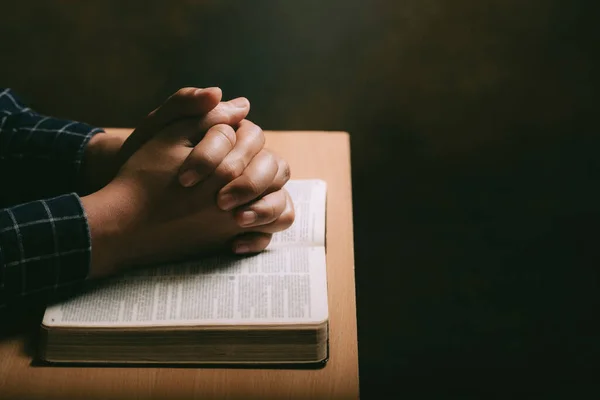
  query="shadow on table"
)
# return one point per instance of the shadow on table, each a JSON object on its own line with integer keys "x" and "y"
{"x": 22, "y": 321}
{"x": 23, "y": 317}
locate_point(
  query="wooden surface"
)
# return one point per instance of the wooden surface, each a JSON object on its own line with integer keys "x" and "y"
{"x": 324, "y": 155}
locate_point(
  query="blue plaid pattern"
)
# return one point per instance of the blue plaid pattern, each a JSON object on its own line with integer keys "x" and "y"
{"x": 44, "y": 244}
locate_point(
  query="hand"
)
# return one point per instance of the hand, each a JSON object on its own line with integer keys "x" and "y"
{"x": 239, "y": 159}
{"x": 218, "y": 146}
{"x": 144, "y": 215}
{"x": 105, "y": 153}
{"x": 248, "y": 172}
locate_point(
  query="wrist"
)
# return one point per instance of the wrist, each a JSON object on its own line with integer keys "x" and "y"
{"x": 109, "y": 213}
{"x": 100, "y": 162}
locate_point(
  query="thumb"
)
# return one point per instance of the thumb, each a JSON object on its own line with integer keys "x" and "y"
{"x": 186, "y": 102}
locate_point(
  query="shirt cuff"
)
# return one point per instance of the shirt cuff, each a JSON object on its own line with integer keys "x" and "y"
{"x": 45, "y": 245}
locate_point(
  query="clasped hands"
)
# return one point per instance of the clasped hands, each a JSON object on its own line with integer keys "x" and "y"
{"x": 193, "y": 178}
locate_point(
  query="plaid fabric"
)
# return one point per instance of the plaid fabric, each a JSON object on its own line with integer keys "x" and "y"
{"x": 44, "y": 244}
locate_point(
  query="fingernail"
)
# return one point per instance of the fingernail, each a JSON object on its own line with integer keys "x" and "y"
{"x": 242, "y": 249}
{"x": 198, "y": 91}
{"x": 227, "y": 201}
{"x": 240, "y": 102}
{"x": 248, "y": 217}
{"x": 189, "y": 178}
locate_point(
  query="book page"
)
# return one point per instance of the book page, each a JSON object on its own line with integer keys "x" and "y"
{"x": 309, "y": 197}
{"x": 279, "y": 286}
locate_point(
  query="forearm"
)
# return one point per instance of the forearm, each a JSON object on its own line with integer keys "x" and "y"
{"x": 100, "y": 162}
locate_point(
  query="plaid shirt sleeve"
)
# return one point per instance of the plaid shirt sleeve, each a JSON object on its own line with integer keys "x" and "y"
{"x": 44, "y": 244}
{"x": 40, "y": 156}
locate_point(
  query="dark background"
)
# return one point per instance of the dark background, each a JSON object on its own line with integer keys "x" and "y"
{"x": 474, "y": 128}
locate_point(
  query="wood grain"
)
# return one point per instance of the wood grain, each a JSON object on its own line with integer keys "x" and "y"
{"x": 324, "y": 155}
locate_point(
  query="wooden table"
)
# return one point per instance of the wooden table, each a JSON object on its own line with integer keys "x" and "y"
{"x": 324, "y": 155}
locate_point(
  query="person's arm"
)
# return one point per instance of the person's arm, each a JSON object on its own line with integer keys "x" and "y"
{"x": 44, "y": 247}
{"x": 141, "y": 217}
{"x": 40, "y": 156}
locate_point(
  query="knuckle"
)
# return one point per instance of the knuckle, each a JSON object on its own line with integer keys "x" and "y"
{"x": 216, "y": 116}
{"x": 266, "y": 210}
{"x": 251, "y": 187}
{"x": 204, "y": 159}
{"x": 221, "y": 115}
{"x": 268, "y": 153}
{"x": 227, "y": 132}
{"x": 255, "y": 133}
{"x": 269, "y": 158}
{"x": 286, "y": 172}
{"x": 230, "y": 170}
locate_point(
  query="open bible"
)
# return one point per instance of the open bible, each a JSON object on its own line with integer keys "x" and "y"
{"x": 270, "y": 308}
